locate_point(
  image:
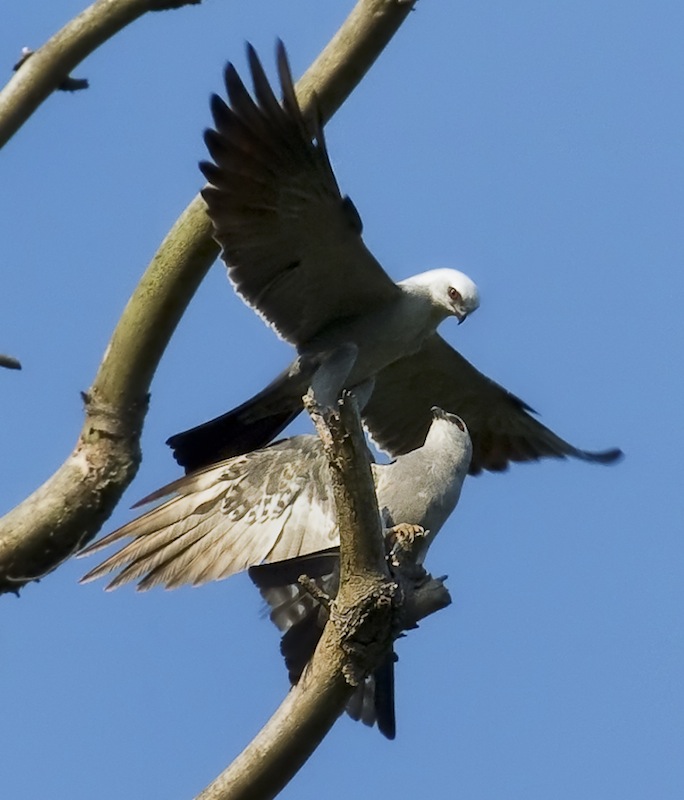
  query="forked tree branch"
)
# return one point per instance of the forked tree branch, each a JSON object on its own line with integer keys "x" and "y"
{"x": 71, "y": 506}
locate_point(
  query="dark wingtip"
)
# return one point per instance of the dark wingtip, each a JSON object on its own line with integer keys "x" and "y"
{"x": 9, "y": 362}
{"x": 281, "y": 52}
{"x": 230, "y": 75}
{"x": 210, "y": 171}
{"x": 255, "y": 66}
{"x": 285, "y": 75}
{"x": 611, "y": 456}
{"x": 251, "y": 52}
{"x": 212, "y": 140}
{"x": 219, "y": 110}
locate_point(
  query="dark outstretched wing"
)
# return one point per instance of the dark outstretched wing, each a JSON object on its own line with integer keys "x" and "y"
{"x": 291, "y": 242}
{"x": 501, "y": 425}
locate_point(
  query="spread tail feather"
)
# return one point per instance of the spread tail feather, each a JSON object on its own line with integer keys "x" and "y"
{"x": 224, "y": 437}
{"x": 250, "y": 426}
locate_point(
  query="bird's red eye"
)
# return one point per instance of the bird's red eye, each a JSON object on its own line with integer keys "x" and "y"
{"x": 455, "y": 295}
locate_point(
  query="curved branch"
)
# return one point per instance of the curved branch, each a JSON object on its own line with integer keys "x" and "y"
{"x": 294, "y": 731}
{"x": 71, "y": 506}
{"x": 69, "y": 509}
{"x": 354, "y": 492}
{"x": 352, "y": 52}
{"x": 312, "y": 706}
{"x": 50, "y": 66}
{"x": 370, "y": 610}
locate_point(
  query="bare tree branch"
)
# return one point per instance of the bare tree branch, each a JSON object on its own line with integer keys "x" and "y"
{"x": 349, "y": 55}
{"x": 364, "y": 620}
{"x": 292, "y": 734}
{"x": 365, "y": 588}
{"x": 69, "y": 509}
{"x": 71, "y": 506}
{"x": 69, "y": 84}
{"x": 352, "y": 52}
{"x": 49, "y": 67}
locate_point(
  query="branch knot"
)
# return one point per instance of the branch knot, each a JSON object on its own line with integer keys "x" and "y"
{"x": 366, "y": 629}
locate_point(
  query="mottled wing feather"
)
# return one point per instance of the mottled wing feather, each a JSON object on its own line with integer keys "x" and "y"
{"x": 501, "y": 425}
{"x": 268, "y": 505}
{"x": 291, "y": 242}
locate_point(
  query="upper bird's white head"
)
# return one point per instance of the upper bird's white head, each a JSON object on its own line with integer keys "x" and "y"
{"x": 450, "y": 290}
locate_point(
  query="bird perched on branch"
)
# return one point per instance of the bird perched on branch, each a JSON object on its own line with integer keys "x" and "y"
{"x": 299, "y": 593}
{"x": 276, "y": 504}
{"x": 294, "y": 251}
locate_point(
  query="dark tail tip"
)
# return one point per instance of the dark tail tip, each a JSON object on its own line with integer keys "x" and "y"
{"x": 225, "y": 437}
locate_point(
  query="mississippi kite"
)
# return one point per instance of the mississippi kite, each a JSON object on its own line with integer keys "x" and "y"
{"x": 275, "y": 504}
{"x": 294, "y": 251}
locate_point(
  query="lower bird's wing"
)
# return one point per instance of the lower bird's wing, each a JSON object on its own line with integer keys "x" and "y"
{"x": 302, "y": 618}
{"x": 268, "y": 505}
{"x": 501, "y": 425}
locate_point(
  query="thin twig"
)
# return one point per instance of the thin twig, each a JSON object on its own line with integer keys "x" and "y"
{"x": 50, "y": 65}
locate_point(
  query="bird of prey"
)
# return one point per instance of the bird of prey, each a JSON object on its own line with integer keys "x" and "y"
{"x": 274, "y": 504}
{"x": 294, "y": 251}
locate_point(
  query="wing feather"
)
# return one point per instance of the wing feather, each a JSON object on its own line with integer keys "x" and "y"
{"x": 291, "y": 242}
{"x": 269, "y": 505}
{"x": 501, "y": 425}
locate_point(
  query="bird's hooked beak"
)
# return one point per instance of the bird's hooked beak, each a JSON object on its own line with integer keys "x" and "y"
{"x": 464, "y": 311}
{"x": 463, "y": 303}
{"x": 438, "y": 413}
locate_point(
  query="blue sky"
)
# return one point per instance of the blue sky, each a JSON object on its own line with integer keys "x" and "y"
{"x": 536, "y": 146}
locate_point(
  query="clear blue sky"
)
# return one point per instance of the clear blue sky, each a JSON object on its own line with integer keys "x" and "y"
{"x": 536, "y": 146}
